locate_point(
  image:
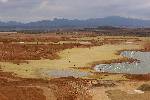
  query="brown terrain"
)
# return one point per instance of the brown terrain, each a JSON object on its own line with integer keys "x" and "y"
{"x": 14, "y": 47}
{"x": 20, "y": 48}
{"x": 15, "y": 88}
{"x": 21, "y": 52}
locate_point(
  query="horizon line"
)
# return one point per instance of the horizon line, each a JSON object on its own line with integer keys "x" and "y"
{"x": 25, "y": 22}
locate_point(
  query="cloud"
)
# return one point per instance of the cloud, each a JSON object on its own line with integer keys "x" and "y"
{"x": 3, "y": 1}
{"x": 32, "y": 10}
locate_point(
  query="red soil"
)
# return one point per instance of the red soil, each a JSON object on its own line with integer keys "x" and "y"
{"x": 20, "y": 52}
{"x": 140, "y": 77}
{"x": 16, "y": 88}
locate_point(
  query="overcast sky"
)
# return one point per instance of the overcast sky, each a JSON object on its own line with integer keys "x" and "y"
{"x": 33, "y": 10}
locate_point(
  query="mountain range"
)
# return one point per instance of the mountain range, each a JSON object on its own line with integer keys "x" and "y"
{"x": 76, "y": 23}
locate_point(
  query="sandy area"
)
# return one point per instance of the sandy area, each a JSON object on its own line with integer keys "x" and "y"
{"x": 121, "y": 90}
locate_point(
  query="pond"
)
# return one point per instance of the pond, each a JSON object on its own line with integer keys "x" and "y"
{"x": 138, "y": 67}
{"x": 64, "y": 73}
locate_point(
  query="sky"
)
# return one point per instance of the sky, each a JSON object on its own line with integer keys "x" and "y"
{"x": 34, "y": 10}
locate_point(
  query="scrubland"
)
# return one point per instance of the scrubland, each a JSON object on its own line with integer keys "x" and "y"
{"x": 23, "y": 56}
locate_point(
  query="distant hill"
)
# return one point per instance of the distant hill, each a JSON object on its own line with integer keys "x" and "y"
{"x": 10, "y": 23}
{"x": 66, "y": 23}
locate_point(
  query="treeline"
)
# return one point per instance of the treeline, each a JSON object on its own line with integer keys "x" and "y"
{"x": 119, "y": 31}
{"x": 32, "y": 31}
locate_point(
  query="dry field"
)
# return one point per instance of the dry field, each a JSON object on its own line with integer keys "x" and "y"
{"x": 23, "y": 56}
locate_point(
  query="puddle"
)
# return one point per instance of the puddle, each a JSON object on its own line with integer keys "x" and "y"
{"x": 142, "y": 67}
{"x": 64, "y": 73}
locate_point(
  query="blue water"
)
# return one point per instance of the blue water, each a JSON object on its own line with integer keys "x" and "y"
{"x": 64, "y": 73}
{"x": 139, "y": 67}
